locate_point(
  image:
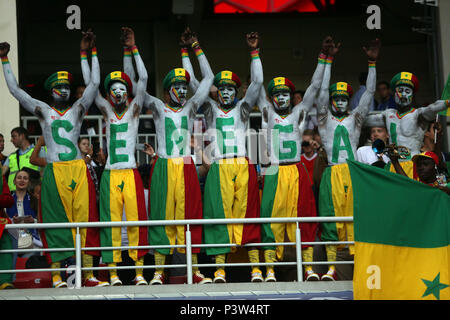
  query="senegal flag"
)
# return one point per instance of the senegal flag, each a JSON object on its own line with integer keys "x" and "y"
{"x": 446, "y": 96}
{"x": 402, "y": 244}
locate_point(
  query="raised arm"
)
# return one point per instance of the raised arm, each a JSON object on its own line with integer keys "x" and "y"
{"x": 91, "y": 77}
{"x": 141, "y": 86}
{"x": 316, "y": 81}
{"x": 256, "y": 73}
{"x": 365, "y": 102}
{"x": 30, "y": 104}
{"x": 128, "y": 56}
{"x": 189, "y": 39}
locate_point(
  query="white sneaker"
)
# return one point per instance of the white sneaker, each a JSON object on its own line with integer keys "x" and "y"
{"x": 115, "y": 281}
{"x": 257, "y": 275}
{"x": 158, "y": 278}
{"x": 270, "y": 276}
{"x": 140, "y": 280}
{"x": 311, "y": 276}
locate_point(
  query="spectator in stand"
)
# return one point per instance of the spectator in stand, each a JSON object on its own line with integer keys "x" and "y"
{"x": 309, "y": 152}
{"x": 358, "y": 94}
{"x": 386, "y": 99}
{"x": 7, "y": 261}
{"x": 87, "y": 151}
{"x": 298, "y": 97}
{"x": 366, "y": 154}
{"x": 426, "y": 164}
{"x": 21, "y": 157}
{"x": 23, "y": 212}
{"x": 2, "y": 147}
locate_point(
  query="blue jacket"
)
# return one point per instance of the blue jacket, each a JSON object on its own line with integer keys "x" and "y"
{"x": 27, "y": 211}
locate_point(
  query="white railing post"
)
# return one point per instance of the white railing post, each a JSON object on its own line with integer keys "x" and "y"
{"x": 298, "y": 249}
{"x": 78, "y": 259}
{"x": 188, "y": 255}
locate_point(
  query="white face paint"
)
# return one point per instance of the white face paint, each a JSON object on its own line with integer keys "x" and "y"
{"x": 118, "y": 93}
{"x": 61, "y": 93}
{"x": 178, "y": 92}
{"x": 403, "y": 96}
{"x": 339, "y": 104}
{"x": 281, "y": 100}
{"x": 226, "y": 95}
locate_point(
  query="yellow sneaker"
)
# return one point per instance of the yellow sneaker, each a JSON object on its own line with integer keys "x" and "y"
{"x": 115, "y": 281}
{"x": 58, "y": 283}
{"x": 270, "y": 276}
{"x": 219, "y": 276}
{"x": 6, "y": 285}
{"x": 257, "y": 275}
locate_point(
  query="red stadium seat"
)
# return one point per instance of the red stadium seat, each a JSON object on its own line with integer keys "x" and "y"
{"x": 29, "y": 280}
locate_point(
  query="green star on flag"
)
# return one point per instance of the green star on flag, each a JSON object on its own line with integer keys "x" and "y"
{"x": 120, "y": 186}
{"x": 434, "y": 287}
{"x": 72, "y": 185}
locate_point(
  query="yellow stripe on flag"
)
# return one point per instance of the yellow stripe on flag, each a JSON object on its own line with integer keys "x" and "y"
{"x": 234, "y": 189}
{"x": 342, "y": 194}
{"x": 391, "y": 272}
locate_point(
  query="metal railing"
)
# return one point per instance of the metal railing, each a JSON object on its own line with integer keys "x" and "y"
{"x": 188, "y": 243}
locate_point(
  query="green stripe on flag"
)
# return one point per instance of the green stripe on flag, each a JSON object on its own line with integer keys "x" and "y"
{"x": 326, "y": 207}
{"x": 268, "y": 197}
{"x": 213, "y": 209}
{"x": 446, "y": 96}
{"x": 53, "y": 211}
{"x": 6, "y": 259}
{"x": 158, "y": 197}
{"x": 395, "y": 210}
{"x": 105, "y": 215}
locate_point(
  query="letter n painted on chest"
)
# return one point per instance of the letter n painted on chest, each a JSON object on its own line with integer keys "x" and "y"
{"x": 175, "y": 136}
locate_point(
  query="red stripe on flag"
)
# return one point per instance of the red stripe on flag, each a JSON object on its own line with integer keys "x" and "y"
{"x": 92, "y": 234}
{"x": 142, "y": 212}
{"x": 306, "y": 205}
{"x": 252, "y": 231}
{"x": 192, "y": 201}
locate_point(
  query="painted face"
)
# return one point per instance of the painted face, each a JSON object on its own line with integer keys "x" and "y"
{"x": 339, "y": 104}
{"x": 281, "y": 100}
{"x": 403, "y": 96}
{"x": 178, "y": 92}
{"x": 118, "y": 93}
{"x": 226, "y": 95}
{"x": 61, "y": 93}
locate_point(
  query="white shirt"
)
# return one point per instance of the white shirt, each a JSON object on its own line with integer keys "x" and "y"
{"x": 367, "y": 155}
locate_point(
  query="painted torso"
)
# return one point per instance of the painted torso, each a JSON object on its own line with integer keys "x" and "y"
{"x": 173, "y": 131}
{"x": 404, "y": 129}
{"x": 61, "y": 130}
{"x": 340, "y": 137}
{"x": 227, "y": 131}
{"x": 283, "y": 136}
{"x": 121, "y": 135}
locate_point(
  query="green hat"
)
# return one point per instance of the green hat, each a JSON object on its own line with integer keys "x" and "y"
{"x": 120, "y": 77}
{"x": 280, "y": 83}
{"x": 176, "y": 75}
{"x": 227, "y": 77}
{"x": 341, "y": 89}
{"x": 58, "y": 78}
{"x": 406, "y": 79}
